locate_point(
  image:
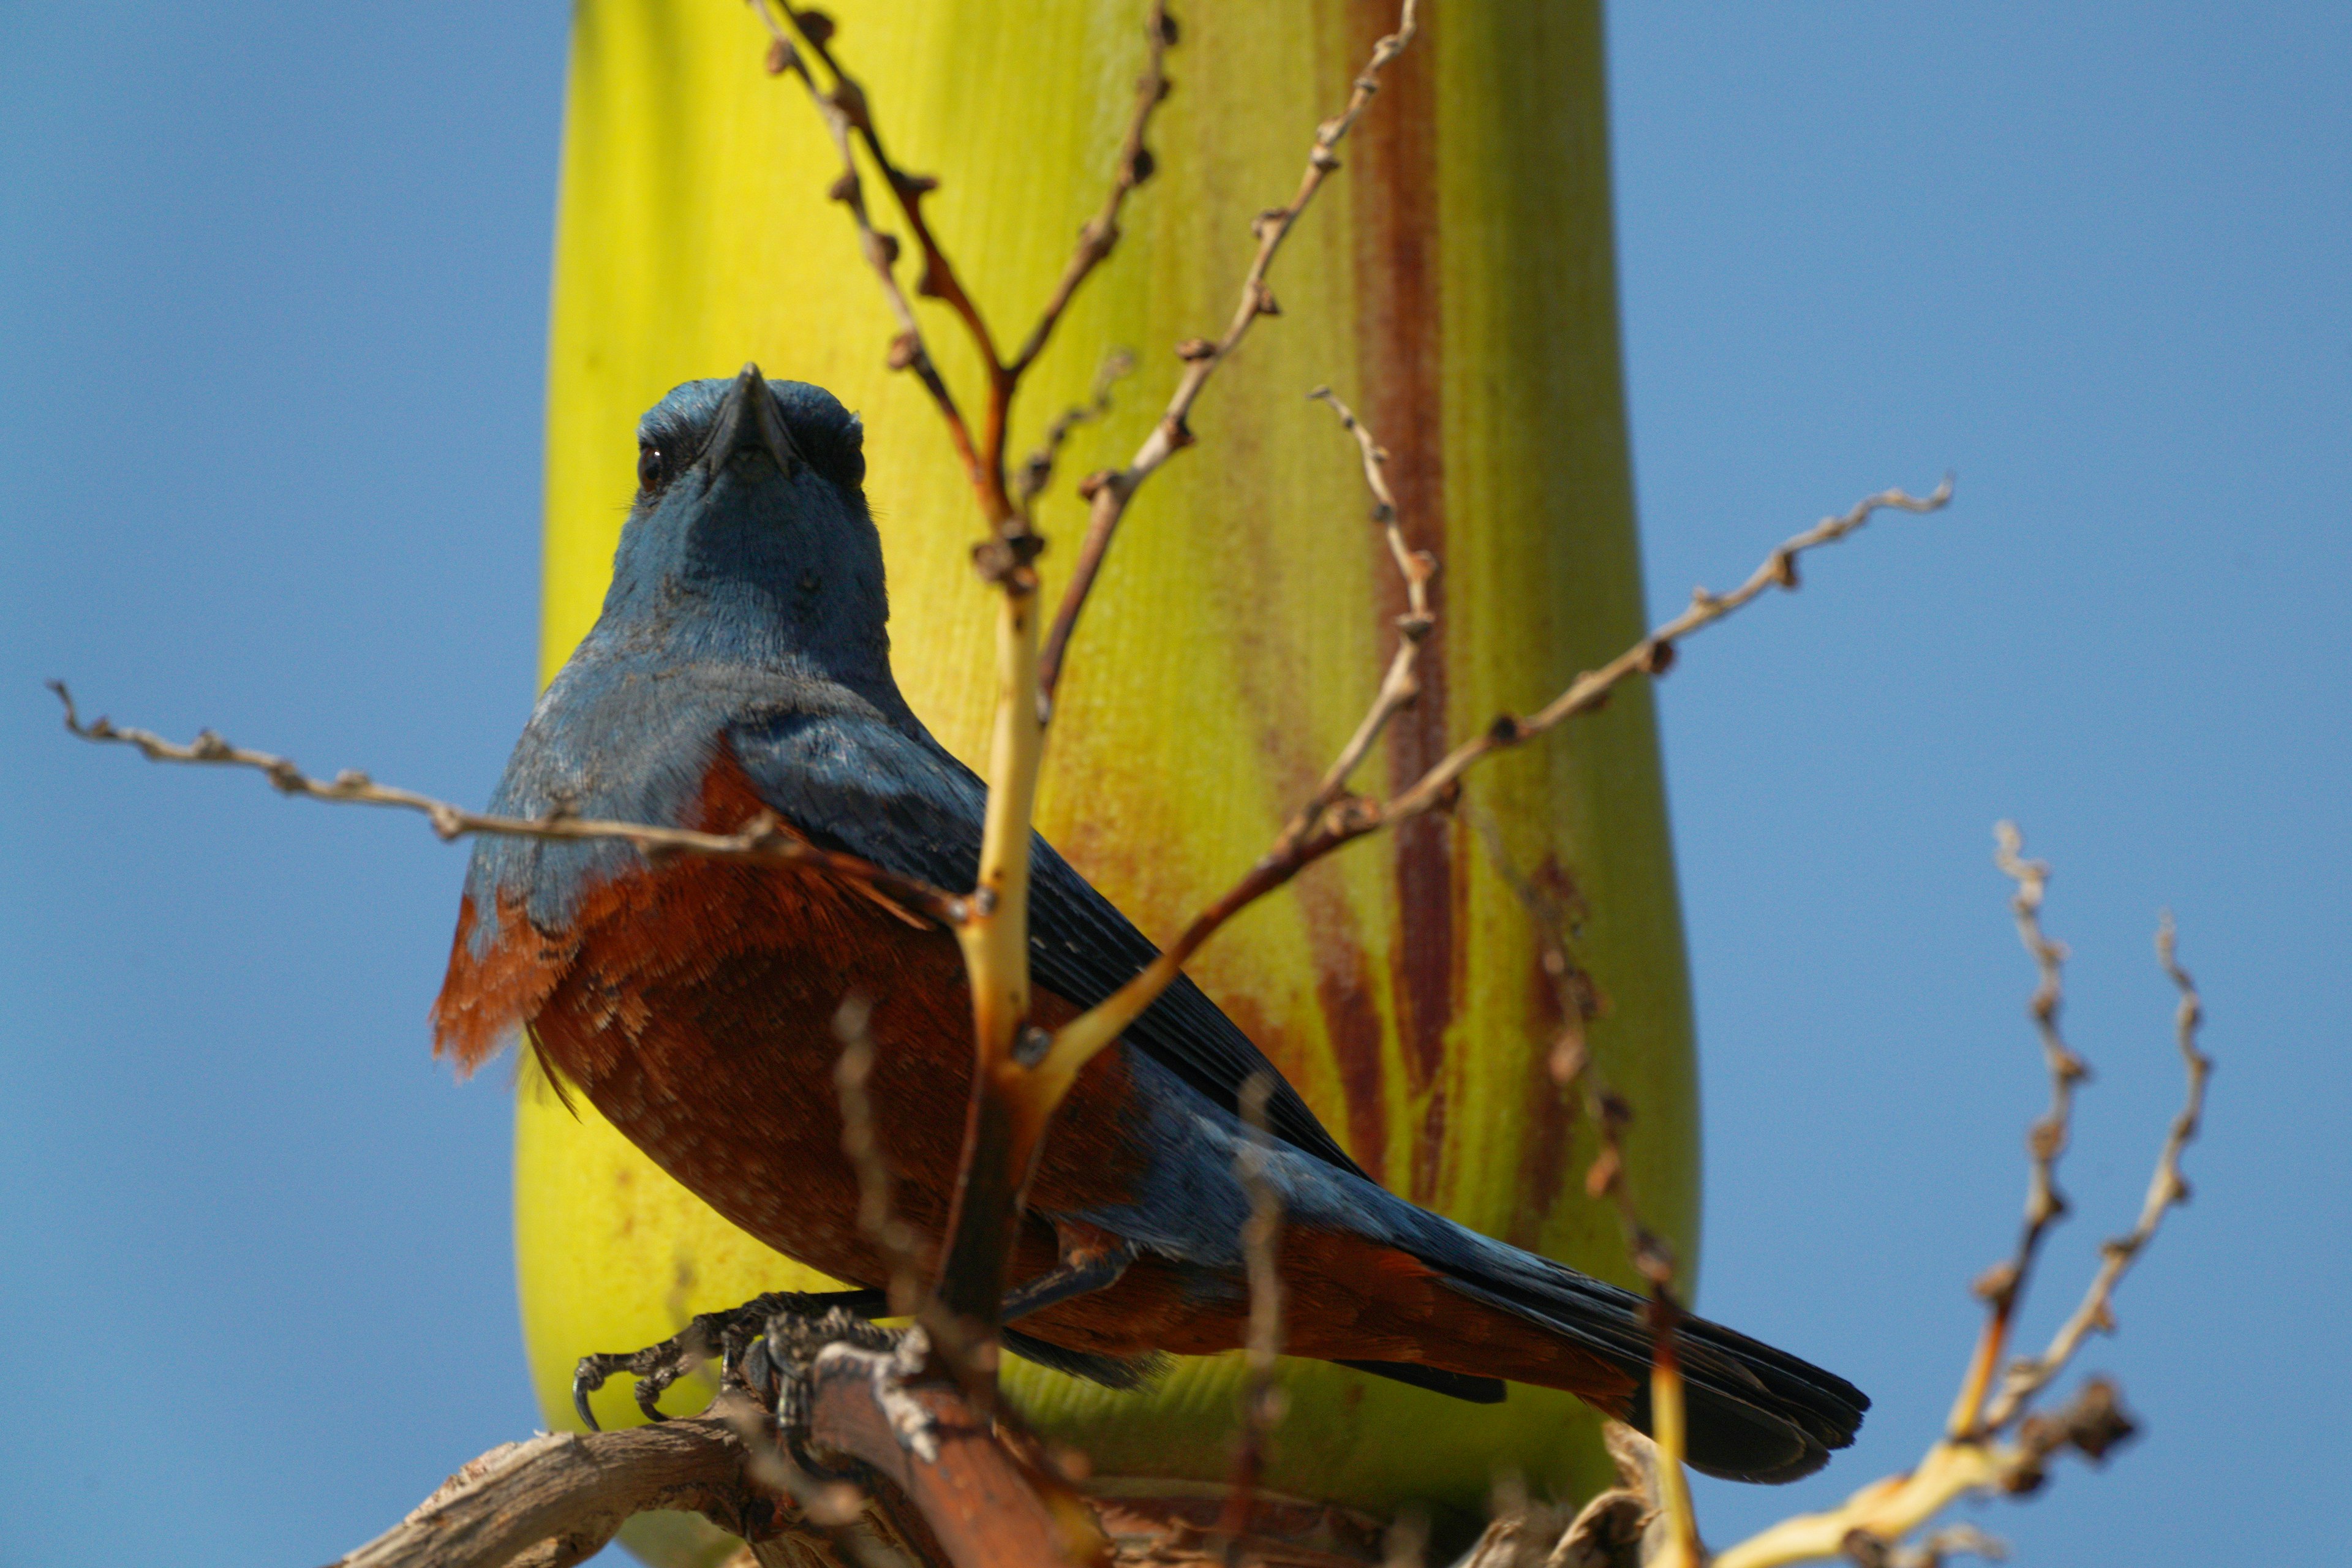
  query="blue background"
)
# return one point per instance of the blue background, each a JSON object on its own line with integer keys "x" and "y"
{"x": 273, "y": 292}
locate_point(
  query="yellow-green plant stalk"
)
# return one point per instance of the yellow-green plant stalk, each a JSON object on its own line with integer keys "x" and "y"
{"x": 1455, "y": 283}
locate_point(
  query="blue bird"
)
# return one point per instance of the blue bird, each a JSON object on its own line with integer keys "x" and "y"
{"x": 742, "y": 665}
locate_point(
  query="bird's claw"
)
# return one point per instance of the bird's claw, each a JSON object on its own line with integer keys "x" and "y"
{"x": 728, "y": 1335}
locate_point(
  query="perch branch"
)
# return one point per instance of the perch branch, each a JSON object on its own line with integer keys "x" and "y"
{"x": 559, "y": 1498}
{"x": 764, "y": 841}
{"x": 1109, "y": 492}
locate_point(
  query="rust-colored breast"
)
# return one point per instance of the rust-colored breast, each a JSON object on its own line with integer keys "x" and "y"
{"x": 693, "y": 1004}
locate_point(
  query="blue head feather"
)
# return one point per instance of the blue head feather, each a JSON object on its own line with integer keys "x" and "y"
{"x": 748, "y": 580}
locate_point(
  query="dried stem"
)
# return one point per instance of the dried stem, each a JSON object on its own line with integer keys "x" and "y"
{"x": 2007, "y": 1449}
{"x": 908, "y": 350}
{"x": 1682, "y": 1547}
{"x": 1008, "y": 1117}
{"x": 1037, "y": 471}
{"x": 1262, "y": 1397}
{"x": 764, "y": 841}
{"x": 901, "y": 1249}
{"x": 1110, "y": 491}
{"x": 2167, "y": 1189}
{"x": 1400, "y": 685}
{"x": 1608, "y": 1177}
{"x": 2003, "y": 1287}
{"x": 1100, "y": 233}
{"x": 846, "y": 101}
{"x": 848, "y": 115}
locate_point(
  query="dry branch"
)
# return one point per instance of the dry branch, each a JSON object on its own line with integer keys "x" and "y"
{"x": 908, "y": 350}
{"x": 1262, "y": 1397}
{"x": 764, "y": 841}
{"x": 2005, "y": 1449}
{"x": 559, "y": 1498}
{"x": 1109, "y": 492}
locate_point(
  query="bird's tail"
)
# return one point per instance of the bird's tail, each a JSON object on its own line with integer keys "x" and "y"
{"x": 1753, "y": 1412}
{"x": 1432, "y": 1294}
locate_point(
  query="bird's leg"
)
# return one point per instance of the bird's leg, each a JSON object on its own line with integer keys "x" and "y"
{"x": 1086, "y": 1266}
{"x": 724, "y": 1334}
{"x": 1081, "y": 1272}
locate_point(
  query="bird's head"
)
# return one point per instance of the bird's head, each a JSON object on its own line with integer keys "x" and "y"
{"x": 749, "y": 536}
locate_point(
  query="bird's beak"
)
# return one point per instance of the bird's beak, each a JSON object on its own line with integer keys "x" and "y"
{"x": 748, "y": 422}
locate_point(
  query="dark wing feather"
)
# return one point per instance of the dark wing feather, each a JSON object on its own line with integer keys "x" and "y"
{"x": 859, "y": 785}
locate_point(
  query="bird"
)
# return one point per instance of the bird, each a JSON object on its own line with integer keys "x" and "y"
{"x": 740, "y": 671}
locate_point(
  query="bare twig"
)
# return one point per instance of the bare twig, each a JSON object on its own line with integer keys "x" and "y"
{"x": 1109, "y": 492}
{"x": 1349, "y": 818}
{"x": 1400, "y": 685}
{"x": 1680, "y": 1548}
{"x": 1608, "y": 1177}
{"x": 2006, "y": 1450}
{"x": 1262, "y": 1396}
{"x": 764, "y": 841}
{"x": 2165, "y": 1189}
{"x": 908, "y": 350}
{"x": 848, "y": 114}
{"x": 847, "y": 100}
{"x": 1135, "y": 164}
{"x": 2002, "y": 1286}
{"x": 1037, "y": 471}
{"x": 901, "y": 1249}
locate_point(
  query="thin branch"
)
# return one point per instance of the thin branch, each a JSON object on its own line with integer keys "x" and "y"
{"x": 1682, "y": 1548}
{"x": 908, "y": 350}
{"x": 1262, "y": 1396}
{"x": 1109, "y": 492}
{"x": 1654, "y": 653}
{"x": 894, "y": 1238}
{"x": 2007, "y": 1449}
{"x": 1401, "y": 685}
{"x": 1134, "y": 166}
{"x": 1890, "y": 1509}
{"x": 764, "y": 841}
{"x": 1037, "y": 471}
{"x": 1349, "y": 818}
{"x": 2002, "y": 1286}
{"x": 2167, "y": 1189}
{"x": 938, "y": 280}
{"x": 847, "y": 110}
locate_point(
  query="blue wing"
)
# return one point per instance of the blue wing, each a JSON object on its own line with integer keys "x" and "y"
{"x": 860, "y": 784}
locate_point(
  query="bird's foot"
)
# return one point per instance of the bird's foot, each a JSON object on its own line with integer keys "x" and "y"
{"x": 727, "y": 1335}
{"x": 780, "y": 1367}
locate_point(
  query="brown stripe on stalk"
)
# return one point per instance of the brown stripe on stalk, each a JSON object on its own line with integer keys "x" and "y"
{"x": 1399, "y": 328}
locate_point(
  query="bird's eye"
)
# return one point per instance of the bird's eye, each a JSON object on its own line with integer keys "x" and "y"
{"x": 649, "y": 466}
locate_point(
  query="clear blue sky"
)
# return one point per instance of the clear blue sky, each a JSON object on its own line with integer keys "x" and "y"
{"x": 272, "y": 298}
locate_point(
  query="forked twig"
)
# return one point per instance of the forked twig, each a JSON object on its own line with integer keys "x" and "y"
{"x": 2165, "y": 1189}
{"x": 2001, "y": 1287}
{"x": 2007, "y": 1449}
